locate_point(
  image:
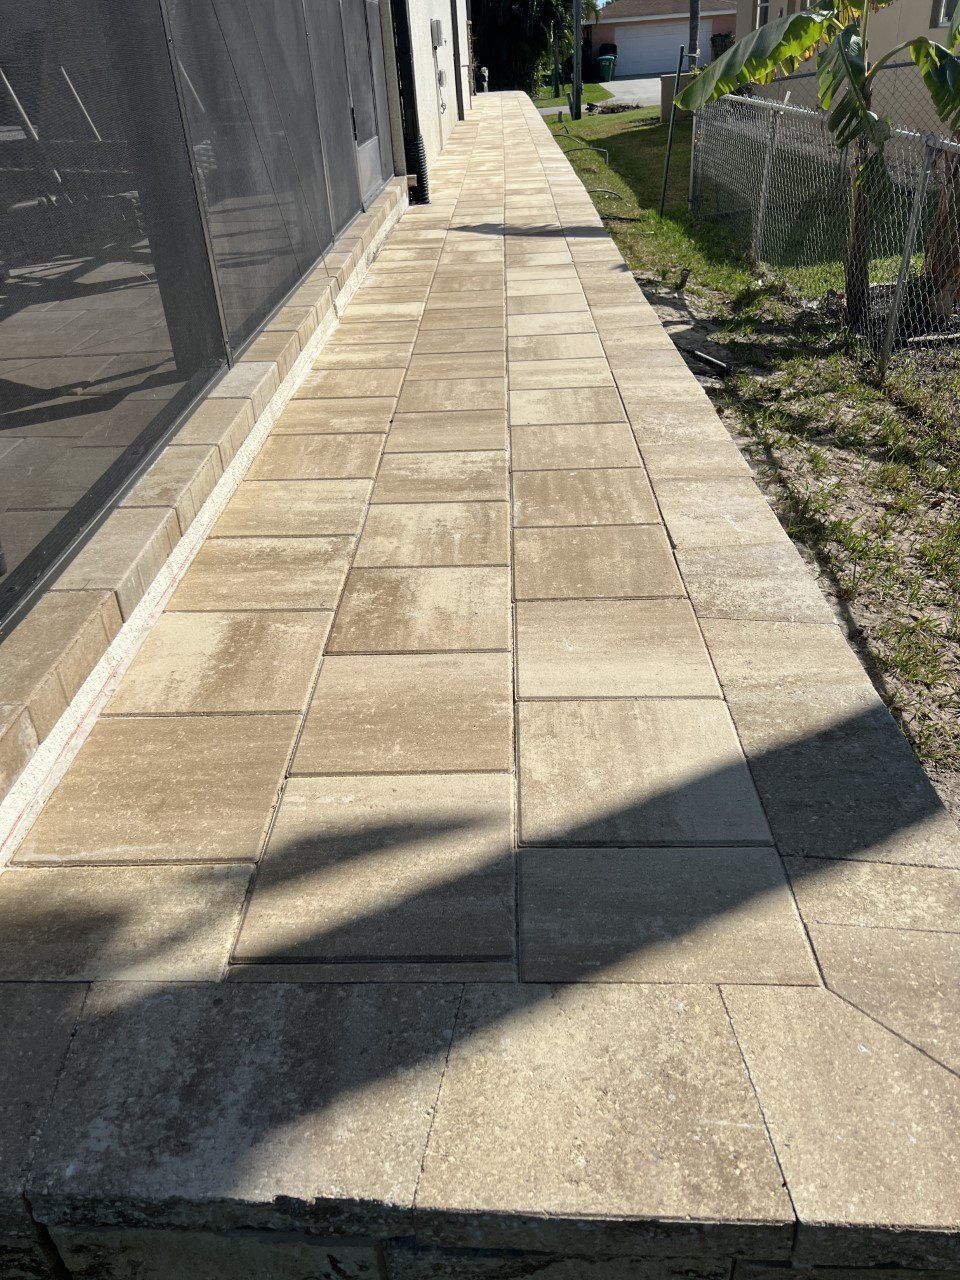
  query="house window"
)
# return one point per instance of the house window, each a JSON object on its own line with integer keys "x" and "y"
{"x": 763, "y": 13}
{"x": 943, "y": 11}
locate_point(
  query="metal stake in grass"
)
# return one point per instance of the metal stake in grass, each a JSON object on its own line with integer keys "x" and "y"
{"x": 673, "y": 116}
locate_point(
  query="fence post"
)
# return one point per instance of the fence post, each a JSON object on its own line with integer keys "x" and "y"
{"x": 909, "y": 244}
{"x": 673, "y": 117}
{"x": 756, "y": 247}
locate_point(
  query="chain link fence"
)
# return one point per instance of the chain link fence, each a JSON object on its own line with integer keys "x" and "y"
{"x": 877, "y": 242}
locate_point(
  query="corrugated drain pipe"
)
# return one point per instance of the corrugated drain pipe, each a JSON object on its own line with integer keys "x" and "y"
{"x": 414, "y": 150}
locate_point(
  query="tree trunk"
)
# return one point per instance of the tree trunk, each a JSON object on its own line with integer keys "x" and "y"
{"x": 941, "y": 258}
{"x": 857, "y": 270}
{"x": 555, "y": 42}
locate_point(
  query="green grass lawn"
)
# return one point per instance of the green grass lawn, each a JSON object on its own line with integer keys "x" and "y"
{"x": 591, "y": 93}
{"x": 865, "y": 475}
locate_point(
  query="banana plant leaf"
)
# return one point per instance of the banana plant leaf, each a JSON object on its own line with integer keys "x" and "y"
{"x": 940, "y": 68}
{"x": 843, "y": 85}
{"x": 778, "y": 47}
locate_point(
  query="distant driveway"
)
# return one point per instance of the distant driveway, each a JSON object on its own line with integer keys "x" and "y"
{"x": 643, "y": 91}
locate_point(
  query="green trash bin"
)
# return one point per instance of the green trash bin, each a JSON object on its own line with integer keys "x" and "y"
{"x": 607, "y": 63}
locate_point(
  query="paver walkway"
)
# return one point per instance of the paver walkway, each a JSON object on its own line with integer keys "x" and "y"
{"x": 498, "y": 672}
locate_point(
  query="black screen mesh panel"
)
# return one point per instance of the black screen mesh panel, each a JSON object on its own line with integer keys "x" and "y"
{"x": 263, "y": 233}
{"x": 325, "y": 37}
{"x": 380, "y": 87}
{"x": 169, "y": 172}
{"x": 358, "y": 64}
{"x": 108, "y": 316}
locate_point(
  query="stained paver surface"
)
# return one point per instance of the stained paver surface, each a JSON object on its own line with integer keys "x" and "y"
{"x": 496, "y": 845}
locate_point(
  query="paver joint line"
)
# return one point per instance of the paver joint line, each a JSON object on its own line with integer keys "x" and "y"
{"x": 479, "y": 682}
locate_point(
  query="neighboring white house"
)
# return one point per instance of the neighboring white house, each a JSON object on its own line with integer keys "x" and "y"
{"x": 649, "y": 33}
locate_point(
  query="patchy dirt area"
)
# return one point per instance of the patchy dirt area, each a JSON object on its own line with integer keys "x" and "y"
{"x": 865, "y": 478}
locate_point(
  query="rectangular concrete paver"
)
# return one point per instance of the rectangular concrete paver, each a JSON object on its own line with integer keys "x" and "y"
{"x": 611, "y": 648}
{"x": 629, "y": 1139}
{"x": 401, "y": 868}
{"x": 432, "y": 609}
{"x": 572, "y": 445}
{"x": 587, "y": 563}
{"x": 851, "y": 1107}
{"x": 230, "y": 661}
{"x": 445, "y": 810}
{"x": 619, "y": 495}
{"x": 660, "y": 915}
{"x": 435, "y": 533}
{"x": 652, "y": 771}
{"x": 178, "y": 789}
{"x": 265, "y": 573}
{"x": 409, "y": 713}
{"x": 294, "y": 508}
{"x": 335, "y": 1144}
{"x": 82, "y": 923}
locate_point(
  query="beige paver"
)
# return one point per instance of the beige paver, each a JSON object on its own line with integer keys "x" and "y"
{"x": 133, "y": 923}
{"x": 863, "y": 1125}
{"x": 716, "y": 513}
{"x": 294, "y": 508}
{"x": 409, "y": 713}
{"x": 467, "y": 318}
{"x": 443, "y": 341}
{"x": 539, "y": 325}
{"x": 839, "y": 780}
{"x": 406, "y": 867}
{"x": 233, "y": 661}
{"x": 904, "y": 978}
{"x": 566, "y": 372}
{"x": 335, "y": 1150}
{"x": 432, "y": 609}
{"x": 574, "y": 445}
{"x": 436, "y": 533}
{"x": 600, "y": 1101}
{"x": 124, "y": 555}
{"x": 338, "y": 354}
{"x": 583, "y": 404}
{"x": 876, "y": 894}
{"x": 610, "y": 649}
{"x": 194, "y": 789}
{"x": 660, "y": 915}
{"x": 334, "y": 383}
{"x": 767, "y": 582}
{"x": 443, "y": 395}
{"x": 463, "y": 431}
{"x": 39, "y": 1021}
{"x": 629, "y": 560}
{"x": 555, "y": 347}
{"x": 677, "y": 461}
{"x": 541, "y": 303}
{"x": 265, "y": 573}
{"x": 442, "y": 477}
{"x": 320, "y": 457}
{"x": 462, "y": 364}
{"x": 619, "y": 495}
{"x": 317, "y": 417}
{"x": 757, "y": 655}
{"x": 643, "y": 772}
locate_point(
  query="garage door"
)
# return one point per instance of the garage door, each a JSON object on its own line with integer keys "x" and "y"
{"x": 651, "y": 48}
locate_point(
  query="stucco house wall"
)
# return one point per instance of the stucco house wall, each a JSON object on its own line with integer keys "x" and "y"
{"x": 437, "y": 104}
{"x": 649, "y": 33}
{"x": 899, "y": 92}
